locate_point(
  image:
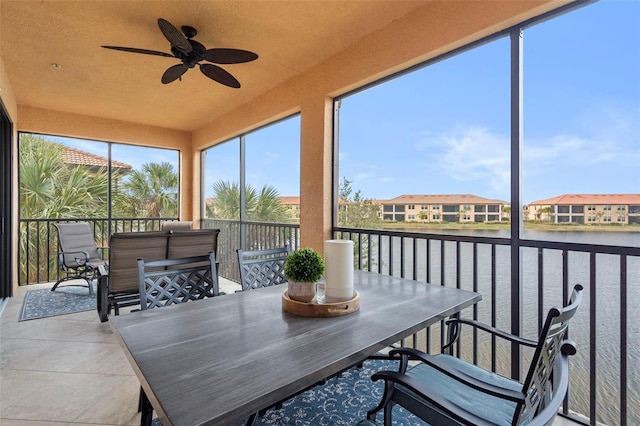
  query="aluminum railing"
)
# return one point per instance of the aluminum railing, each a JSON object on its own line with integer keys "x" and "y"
{"x": 603, "y": 387}
{"x": 258, "y": 236}
{"x": 38, "y": 242}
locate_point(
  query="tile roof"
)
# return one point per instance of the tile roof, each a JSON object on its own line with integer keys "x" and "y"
{"x": 295, "y": 200}
{"x": 290, "y": 200}
{"x": 582, "y": 199}
{"x": 442, "y": 199}
{"x": 82, "y": 158}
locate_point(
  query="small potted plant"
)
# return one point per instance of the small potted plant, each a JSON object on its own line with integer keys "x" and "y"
{"x": 303, "y": 268}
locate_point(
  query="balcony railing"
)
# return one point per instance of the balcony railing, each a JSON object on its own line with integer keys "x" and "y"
{"x": 603, "y": 388}
{"x": 258, "y": 236}
{"x": 38, "y": 241}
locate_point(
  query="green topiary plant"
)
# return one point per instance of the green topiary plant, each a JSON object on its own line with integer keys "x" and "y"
{"x": 304, "y": 266}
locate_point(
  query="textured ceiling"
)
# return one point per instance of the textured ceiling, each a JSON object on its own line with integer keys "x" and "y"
{"x": 289, "y": 36}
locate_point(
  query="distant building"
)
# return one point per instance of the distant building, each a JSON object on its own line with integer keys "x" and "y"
{"x": 466, "y": 208}
{"x": 93, "y": 162}
{"x": 623, "y": 209}
{"x": 292, "y": 204}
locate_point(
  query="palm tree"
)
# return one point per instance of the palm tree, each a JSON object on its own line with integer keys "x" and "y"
{"x": 51, "y": 189}
{"x": 150, "y": 192}
{"x": 507, "y": 211}
{"x": 226, "y": 201}
{"x": 263, "y": 206}
{"x": 544, "y": 213}
{"x": 267, "y": 206}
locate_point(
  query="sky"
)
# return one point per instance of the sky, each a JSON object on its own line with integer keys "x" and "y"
{"x": 445, "y": 128}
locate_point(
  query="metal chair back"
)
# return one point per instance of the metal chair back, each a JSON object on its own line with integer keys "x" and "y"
{"x": 172, "y": 281}
{"x": 262, "y": 268}
{"x": 536, "y": 387}
{"x": 78, "y": 255}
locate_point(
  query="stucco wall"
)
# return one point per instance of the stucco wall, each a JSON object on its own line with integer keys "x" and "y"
{"x": 9, "y": 103}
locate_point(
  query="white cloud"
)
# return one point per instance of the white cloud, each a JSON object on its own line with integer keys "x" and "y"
{"x": 569, "y": 152}
{"x": 470, "y": 154}
{"x": 475, "y": 154}
{"x": 363, "y": 176}
{"x": 270, "y": 157}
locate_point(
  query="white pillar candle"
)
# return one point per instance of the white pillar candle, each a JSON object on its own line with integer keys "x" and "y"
{"x": 338, "y": 258}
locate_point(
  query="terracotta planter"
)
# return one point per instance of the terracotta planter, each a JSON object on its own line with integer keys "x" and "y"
{"x": 302, "y": 292}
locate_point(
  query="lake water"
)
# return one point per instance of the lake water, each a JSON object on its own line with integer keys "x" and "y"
{"x": 607, "y": 302}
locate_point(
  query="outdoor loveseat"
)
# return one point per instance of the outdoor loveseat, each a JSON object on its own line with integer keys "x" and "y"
{"x": 118, "y": 286}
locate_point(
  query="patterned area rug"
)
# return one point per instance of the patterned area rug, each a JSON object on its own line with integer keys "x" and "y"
{"x": 42, "y": 303}
{"x": 342, "y": 401}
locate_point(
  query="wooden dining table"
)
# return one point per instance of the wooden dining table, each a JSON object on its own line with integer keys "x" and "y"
{"x": 216, "y": 361}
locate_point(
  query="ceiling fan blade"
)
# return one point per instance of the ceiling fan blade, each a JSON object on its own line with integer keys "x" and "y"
{"x": 173, "y": 73}
{"x": 135, "y": 50}
{"x": 175, "y": 37}
{"x": 229, "y": 56}
{"x": 216, "y": 73}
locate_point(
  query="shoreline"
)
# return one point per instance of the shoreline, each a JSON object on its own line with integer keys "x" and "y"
{"x": 506, "y": 226}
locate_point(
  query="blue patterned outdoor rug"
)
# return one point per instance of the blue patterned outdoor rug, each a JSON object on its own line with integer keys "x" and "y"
{"x": 42, "y": 303}
{"x": 342, "y": 401}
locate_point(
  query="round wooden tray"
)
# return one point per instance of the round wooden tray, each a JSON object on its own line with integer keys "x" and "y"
{"x": 313, "y": 309}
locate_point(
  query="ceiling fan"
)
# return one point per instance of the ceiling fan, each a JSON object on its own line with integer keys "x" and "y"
{"x": 191, "y": 53}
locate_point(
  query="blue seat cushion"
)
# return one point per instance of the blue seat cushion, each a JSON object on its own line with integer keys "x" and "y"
{"x": 490, "y": 408}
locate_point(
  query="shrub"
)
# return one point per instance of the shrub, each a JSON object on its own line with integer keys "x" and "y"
{"x": 304, "y": 265}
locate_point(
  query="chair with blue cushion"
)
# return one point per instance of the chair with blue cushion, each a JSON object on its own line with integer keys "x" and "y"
{"x": 445, "y": 390}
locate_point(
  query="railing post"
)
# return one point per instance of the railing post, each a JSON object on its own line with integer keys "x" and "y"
{"x": 516, "y": 198}
{"x": 242, "y": 218}
{"x": 623, "y": 341}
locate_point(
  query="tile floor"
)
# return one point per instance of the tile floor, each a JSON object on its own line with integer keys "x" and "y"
{"x": 69, "y": 370}
{"x": 65, "y": 370}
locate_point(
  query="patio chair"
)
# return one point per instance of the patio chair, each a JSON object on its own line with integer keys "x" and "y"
{"x": 78, "y": 255}
{"x": 446, "y": 390}
{"x": 262, "y": 268}
{"x": 176, "y": 225}
{"x": 172, "y": 281}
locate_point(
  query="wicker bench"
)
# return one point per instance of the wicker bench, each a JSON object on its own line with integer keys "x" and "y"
{"x": 118, "y": 287}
